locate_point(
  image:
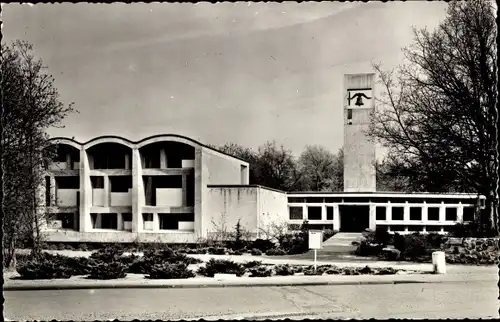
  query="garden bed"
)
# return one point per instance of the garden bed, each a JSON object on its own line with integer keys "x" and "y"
{"x": 168, "y": 264}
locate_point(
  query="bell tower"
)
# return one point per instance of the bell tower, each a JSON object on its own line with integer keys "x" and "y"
{"x": 359, "y": 150}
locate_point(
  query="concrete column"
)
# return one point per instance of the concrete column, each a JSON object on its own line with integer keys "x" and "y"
{"x": 163, "y": 158}
{"x": 442, "y": 212}
{"x": 53, "y": 191}
{"x": 304, "y": 212}
{"x": 336, "y": 217}
{"x": 156, "y": 222}
{"x": 200, "y": 181}
{"x": 323, "y": 212}
{"x": 406, "y": 212}
{"x": 389, "y": 212}
{"x": 137, "y": 192}
{"x": 85, "y": 193}
{"x": 119, "y": 219}
{"x": 184, "y": 190}
{"x": 373, "y": 217}
{"x": 69, "y": 164}
{"x": 425, "y": 214}
{"x": 460, "y": 213}
{"x": 107, "y": 191}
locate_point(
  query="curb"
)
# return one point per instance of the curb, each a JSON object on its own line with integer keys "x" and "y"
{"x": 203, "y": 285}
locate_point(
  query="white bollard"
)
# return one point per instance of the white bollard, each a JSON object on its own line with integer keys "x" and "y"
{"x": 439, "y": 263}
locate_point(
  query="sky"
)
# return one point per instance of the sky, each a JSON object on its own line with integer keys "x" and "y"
{"x": 239, "y": 72}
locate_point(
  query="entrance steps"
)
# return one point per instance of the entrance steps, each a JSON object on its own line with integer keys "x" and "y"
{"x": 342, "y": 239}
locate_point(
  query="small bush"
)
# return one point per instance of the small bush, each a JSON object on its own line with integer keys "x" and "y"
{"x": 366, "y": 248}
{"x": 386, "y": 271}
{"x": 83, "y": 247}
{"x": 107, "y": 271}
{"x": 262, "y": 244}
{"x": 261, "y": 271}
{"x": 275, "y": 252}
{"x": 170, "y": 271}
{"x": 217, "y": 250}
{"x": 43, "y": 269}
{"x": 237, "y": 252}
{"x": 256, "y": 252}
{"x": 107, "y": 254}
{"x": 252, "y": 264}
{"x": 284, "y": 270}
{"x": 221, "y": 266}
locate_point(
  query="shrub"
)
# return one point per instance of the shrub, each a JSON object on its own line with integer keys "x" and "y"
{"x": 143, "y": 265}
{"x": 261, "y": 271}
{"x": 217, "y": 250}
{"x": 275, "y": 252}
{"x": 42, "y": 269}
{"x": 256, "y": 252}
{"x": 82, "y": 247}
{"x": 366, "y": 248}
{"x": 284, "y": 270}
{"x": 252, "y": 264}
{"x": 170, "y": 271}
{"x": 386, "y": 271}
{"x": 107, "y": 271}
{"x": 237, "y": 252}
{"x": 107, "y": 254}
{"x": 262, "y": 244}
{"x": 221, "y": 266}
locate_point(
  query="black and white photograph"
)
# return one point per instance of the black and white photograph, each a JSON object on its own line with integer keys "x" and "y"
{"x": 249, "y": 160}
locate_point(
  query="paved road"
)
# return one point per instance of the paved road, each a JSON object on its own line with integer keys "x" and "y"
{"x": 440, "y": 300}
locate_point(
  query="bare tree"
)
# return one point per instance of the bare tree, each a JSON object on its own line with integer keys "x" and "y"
{"x": 321, "y": 170}
{"x": 30, "y": 105}
{"x": 438, "y": 116}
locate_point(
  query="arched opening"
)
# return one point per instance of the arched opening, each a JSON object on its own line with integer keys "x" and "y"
{"x": 109, "y": 155}
{"x": 167, "y": 155}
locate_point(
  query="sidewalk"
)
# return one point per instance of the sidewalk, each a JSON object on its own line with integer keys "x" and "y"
{"x": 139, "y": 281}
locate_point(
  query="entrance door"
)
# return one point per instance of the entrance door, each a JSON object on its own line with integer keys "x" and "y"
{"x": 354, "y": 219}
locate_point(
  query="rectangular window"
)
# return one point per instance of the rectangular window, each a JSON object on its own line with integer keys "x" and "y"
{"x": 127, "y": 217}
{"x": 397, "y": 213}
{"x": 67, "y": 182}
{"x": 97, "y": 182}
{"x": 329, "y": 213}
{"x": 147, "y": 217}
{"x": 296, "y": 200}
{"x": 171, "y": 221}
{"x": 468, "y": 213}
{"x": 120, "y": 183}
{"x": 415, "y": 213}
{"x": 164, "y": 182}
{"x": 433, "y": 213}
{"x": 315, "y": 199}
{"x": 67, "y": 220}
{"x": 109, "y": 221}
{"x": 451, "y": 214}
{"x": 295, "y": 213}
{"x": 314, "y": 213}
{"x": 381, "y": 213}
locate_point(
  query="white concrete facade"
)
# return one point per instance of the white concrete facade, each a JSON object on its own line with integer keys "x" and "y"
{"x": 109, "y": 194}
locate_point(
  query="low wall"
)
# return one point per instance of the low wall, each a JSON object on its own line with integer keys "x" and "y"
{"x": 471, "y": 250}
